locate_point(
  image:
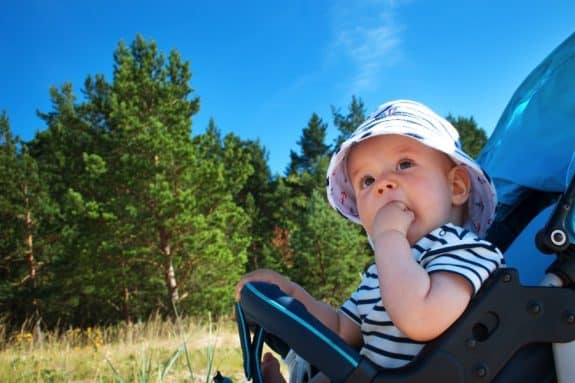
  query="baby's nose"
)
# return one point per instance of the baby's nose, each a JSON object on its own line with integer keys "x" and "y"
{"x": 386, "y": 185}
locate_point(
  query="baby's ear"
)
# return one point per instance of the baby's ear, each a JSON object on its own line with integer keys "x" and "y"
{"x": 460, "y": 184}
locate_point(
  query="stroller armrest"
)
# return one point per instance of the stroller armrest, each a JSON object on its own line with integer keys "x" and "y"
{"x": 265, "y": 306}
{"x": 286, "y": 318}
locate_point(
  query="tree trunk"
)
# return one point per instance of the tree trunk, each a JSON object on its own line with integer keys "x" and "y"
{"x": 31, "y": 261}
{"x": 170, "y": 273}
{"x": 126, "y": 306}
{"x": 126, "y": 294}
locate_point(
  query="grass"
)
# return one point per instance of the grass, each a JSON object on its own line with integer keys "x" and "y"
{"x": 154, "y": 351}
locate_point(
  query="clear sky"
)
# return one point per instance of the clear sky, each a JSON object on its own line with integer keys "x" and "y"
{"x": 261, "y": 68}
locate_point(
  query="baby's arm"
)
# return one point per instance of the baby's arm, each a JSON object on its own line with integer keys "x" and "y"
{"x": 339, "y": 323}
{"x": 421, "y": 305}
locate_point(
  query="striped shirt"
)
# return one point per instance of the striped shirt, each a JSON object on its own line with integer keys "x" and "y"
{"x": 448, "y": 248}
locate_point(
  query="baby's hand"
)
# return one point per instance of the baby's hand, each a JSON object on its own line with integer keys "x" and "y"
{"x": 395, "y": 216}
{"x": 265, "y": 275}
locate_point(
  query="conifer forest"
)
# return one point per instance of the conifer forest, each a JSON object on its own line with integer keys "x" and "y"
{"x": 120, "y": 209}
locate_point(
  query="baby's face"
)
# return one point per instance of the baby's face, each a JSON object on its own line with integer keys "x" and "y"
{"x": 394, "y": 168}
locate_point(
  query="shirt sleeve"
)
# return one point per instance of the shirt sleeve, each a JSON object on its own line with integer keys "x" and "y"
{"x": 366, "y": 291}
{"x": 462, "y": 252}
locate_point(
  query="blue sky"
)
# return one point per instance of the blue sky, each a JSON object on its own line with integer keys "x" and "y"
{"x": 261, "y": 68}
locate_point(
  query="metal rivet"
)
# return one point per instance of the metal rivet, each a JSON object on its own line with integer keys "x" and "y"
{"x": 506, "y": 277}
{"x": 558, "y": 237}
{"x": 481, "y": 371}
{"x": 534, "y": 307}
{"x": 471, "y": 343}
{"x": 569, "y": 317}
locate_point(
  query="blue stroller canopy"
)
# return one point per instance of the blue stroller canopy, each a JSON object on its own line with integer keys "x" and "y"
{"x": 533, "y": 147}
{"x": 533, "y": 143}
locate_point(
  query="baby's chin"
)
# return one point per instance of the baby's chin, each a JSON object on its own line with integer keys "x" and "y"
{"x": 414, "y": 234}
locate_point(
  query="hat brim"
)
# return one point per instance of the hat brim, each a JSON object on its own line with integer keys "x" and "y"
{"x": 482, "y": 200}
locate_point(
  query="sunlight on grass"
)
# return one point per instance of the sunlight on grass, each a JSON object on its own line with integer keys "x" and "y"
{"x": 155, "y": 351}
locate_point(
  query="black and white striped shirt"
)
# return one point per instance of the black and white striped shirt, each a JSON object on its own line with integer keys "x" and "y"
{"x": 448, "y": 248}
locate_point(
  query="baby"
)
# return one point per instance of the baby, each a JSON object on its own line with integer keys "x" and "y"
{"x": 425, "y": 206}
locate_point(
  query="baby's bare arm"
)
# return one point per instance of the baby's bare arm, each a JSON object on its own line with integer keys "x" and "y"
{"x": 421, "y": 305}
{"x": 266, "y": 275}
{"x": 344, "y": 327}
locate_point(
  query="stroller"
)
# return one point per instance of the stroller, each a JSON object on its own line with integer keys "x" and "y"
{"x": 520, "y": 327}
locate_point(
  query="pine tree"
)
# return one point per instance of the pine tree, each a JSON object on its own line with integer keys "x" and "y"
{"x": 329, "y": 253}
{"x": 312, "y": 146}
{"x": 222, "y": 170}
{"x": 473, "y": 138}
{"x": 76, "y": 284}
{"x": 152, "y": 160}
{"x": 348, "y": 123}
{"x": 306, "y": 171}
{"x": 257, "y": 199}
{"x": 141, "y": 206}
{"x": 21, "y": 200}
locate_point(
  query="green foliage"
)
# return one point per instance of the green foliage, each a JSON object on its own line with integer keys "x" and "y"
{"x": 179, "y": 189}
{"x": 473, "y": 138}
{"x": 312, "y": 146}
{"x": 141, "y": 206}
{"x": 346, "y": 124}
{"x": 22, "y": 203}
{"x": 306, "y": 172}
{"x": 12, "y": 230}
{"x": 116, "y": 211}
{"x": 329, "y": 253}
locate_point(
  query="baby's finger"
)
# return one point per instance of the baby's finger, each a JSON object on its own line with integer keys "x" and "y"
{"x": 401, "y": 205}
{"x": 238, "y": 290}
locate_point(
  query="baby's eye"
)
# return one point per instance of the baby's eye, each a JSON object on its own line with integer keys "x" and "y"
{"x": 405, "y": 164}
{"x": 366, "y": 181}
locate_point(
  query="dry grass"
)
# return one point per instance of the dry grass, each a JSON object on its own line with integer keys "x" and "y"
{"x": 154, "y": 351}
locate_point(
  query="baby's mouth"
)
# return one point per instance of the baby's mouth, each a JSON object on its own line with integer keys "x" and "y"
{"x": 403, "y": 204}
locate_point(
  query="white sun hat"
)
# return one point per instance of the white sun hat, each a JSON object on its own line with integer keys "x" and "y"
{"x": 414, "y": 120}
